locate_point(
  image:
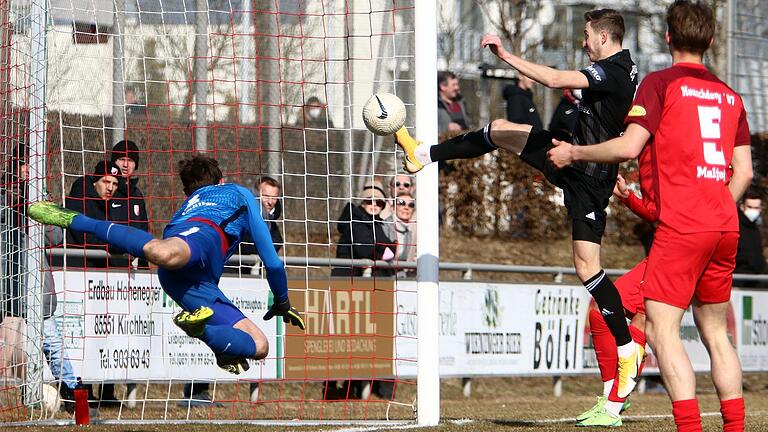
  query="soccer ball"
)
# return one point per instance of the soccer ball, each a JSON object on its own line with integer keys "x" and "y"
{"x": 51, "y": 401}
{"x": 384, "y": 114}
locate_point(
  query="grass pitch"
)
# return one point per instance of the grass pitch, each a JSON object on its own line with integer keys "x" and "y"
{"x": 496, "y": 404}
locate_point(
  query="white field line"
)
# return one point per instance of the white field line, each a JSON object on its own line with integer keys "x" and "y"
{"x": 634, "y": 417}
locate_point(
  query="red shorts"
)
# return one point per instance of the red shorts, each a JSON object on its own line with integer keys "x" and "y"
{"x": 629, "y": 288}
{"x": 681, "y": 266}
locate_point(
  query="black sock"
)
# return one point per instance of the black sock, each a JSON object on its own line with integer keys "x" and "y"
{"x": 465, "y": 146}
{"x": 609, "y": 301}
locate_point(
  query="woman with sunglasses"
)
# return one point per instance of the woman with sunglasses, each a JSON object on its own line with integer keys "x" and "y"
{"x": 363, "y": 234}
{"x": 401, "y": 227}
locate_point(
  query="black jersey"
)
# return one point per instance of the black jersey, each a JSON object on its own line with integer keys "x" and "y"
{"x": 604, "y": 105}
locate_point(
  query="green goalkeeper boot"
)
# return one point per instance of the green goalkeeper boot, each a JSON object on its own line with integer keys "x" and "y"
{"x": 49, "y": 213}
{"x": 193, "y": 323}
{"x": 601, "y": 418}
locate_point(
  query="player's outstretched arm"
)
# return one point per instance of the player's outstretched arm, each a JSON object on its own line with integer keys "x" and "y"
{"x": 542, "y": 74}
{"x": 276, "y": 277}
{"x": 620, "y": 149}
{"x": 278, "y": 282}
{"x": 742, "y": 171}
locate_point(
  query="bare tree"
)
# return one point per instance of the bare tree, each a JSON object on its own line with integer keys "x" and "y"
{"x": 513, "y": 21}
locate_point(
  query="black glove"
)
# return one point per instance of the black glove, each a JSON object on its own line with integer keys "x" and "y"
{"x": 289, "y": 314}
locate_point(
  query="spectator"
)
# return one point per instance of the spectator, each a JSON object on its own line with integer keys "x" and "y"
{"x": 402, "y": 229}
{"x": 451, "y": 111}
{"x": 15, "y": 199}
{"x": 749, "y": 255}
{"x": 363, "y": 235}
{"x": 94, "y": 196}
{"x": 128, "y": 201}
{"x": 53, "y": 342}
{"x": 316, "y": 114}
{"x": 269, "y": 191}
{"x": 272, "y": 209}
{"x": 566, "y": 115}
{"x": 398, "y": 184}
{"x": 520, "y": 106}
{"x": 125, "y": 154}
{"x": 132, "y": 105}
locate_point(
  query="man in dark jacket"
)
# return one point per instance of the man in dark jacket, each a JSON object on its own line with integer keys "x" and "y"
{"x": 564, "y": 119}
{"x": 749, "y": 255}
{"x": 272, "y": 209}
{"x": 128, "y": 201}
{"x": 520, "y": 106}
{"x": 451, "y": 111}
{"x": 92, "y": 195}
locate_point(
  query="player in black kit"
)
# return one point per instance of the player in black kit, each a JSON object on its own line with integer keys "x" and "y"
{"x": 608, "y": 85}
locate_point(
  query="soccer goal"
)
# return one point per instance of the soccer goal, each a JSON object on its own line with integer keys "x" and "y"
{"x": 273, "y": 89}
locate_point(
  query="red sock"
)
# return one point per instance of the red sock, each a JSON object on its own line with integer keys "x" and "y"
{"x": 638, "y": 336}
{"x": 605, "y": 346}
{"x": 687, "y": 416}
{"x": 733, "y": 414}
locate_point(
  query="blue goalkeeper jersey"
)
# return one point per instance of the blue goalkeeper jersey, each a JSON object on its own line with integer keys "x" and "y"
{"x": 235, "y": 210}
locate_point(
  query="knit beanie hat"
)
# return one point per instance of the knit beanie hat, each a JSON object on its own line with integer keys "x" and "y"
{"x": 126, "y": 148}
{"x": 104, "y": 168}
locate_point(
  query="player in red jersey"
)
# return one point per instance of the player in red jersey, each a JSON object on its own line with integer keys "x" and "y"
{"x": 694, "y": 127}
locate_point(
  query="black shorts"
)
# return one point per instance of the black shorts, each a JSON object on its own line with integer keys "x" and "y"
{"x": 586, "y": 197}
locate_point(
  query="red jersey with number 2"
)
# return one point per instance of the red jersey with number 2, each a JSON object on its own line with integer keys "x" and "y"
{"x": 695, "y": 121}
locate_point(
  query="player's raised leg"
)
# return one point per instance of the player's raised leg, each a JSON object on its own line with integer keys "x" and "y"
{"x": 497, "y": 134}
{"x": 132, "y": 240}
{"x": 171, "y": 253}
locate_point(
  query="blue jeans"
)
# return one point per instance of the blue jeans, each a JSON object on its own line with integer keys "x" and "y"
{"x": 53, "y": 349}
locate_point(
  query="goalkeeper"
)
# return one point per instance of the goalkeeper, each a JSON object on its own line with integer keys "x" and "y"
{"x": 196, "y": 243}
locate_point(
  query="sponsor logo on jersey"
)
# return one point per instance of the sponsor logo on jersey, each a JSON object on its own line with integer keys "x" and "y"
{"x": 195, "y": 202}
{"x": 636, "y": 111}
{"x": 596, "y": 71}
{"x": 136, "y": 209}
{"x": 704, "y": 94}
{"x": 711, "y": 173}
{"x": 116, "y": 205}
{"x": 591, "y": 215}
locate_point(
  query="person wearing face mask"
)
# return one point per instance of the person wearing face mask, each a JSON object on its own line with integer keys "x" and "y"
{"x": 749, "y": 255}
{"x": 315, "y": 115}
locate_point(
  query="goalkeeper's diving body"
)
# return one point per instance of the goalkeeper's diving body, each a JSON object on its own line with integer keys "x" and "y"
{"x": 196, "y": 243}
